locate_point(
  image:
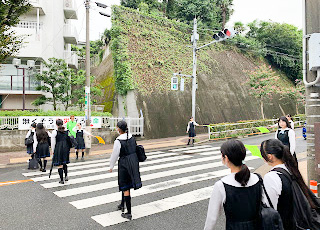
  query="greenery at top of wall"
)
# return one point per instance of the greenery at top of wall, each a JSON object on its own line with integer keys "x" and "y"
{"x": 18, "y": 113}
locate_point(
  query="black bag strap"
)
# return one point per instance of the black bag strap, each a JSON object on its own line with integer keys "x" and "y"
{"x": 284, "y": 172}
{"x": 264, "y": 189}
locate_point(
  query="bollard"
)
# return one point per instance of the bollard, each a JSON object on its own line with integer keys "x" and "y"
{"x": 314, "y": 187}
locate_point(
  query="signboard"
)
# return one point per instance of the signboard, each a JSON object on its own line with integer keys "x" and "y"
{"x": 50, "y": 122}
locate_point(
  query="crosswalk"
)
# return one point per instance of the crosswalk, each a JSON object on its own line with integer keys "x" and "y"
{"x": 90, "y": 184}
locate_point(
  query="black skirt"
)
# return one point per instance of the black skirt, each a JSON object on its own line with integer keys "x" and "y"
{"x": 43, "y": 150}
{"x": 61, "y": 153}
{"x": 128, "y": 173}
{"x": 192, "y": 133}
{"x": 80, "y": 142}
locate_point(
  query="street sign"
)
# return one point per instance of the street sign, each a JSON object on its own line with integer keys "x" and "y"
{"x": 174, "y": 83}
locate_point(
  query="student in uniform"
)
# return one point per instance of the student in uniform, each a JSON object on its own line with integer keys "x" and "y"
{"x": 286, "y": 135}
{"x": 80, "y": 140}
{"x": 289, "y": 117}
{"x": 191, "y": 130}
{"x": 41, "y": 145}
{"x": 31, "y": 132}
{"x": 128, "y": 166}
{"x": 277, "y": 185}
{"x": 60, "y": 144}
{"x": 239, "y": 193}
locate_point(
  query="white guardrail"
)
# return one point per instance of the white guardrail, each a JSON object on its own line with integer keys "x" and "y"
{"x": 136, "y": 125}
{"x": 228, "y": 129}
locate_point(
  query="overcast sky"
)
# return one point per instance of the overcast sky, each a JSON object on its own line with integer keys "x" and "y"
{"x": 288, "y": 11}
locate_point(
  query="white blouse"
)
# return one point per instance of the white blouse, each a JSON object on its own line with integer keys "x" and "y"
{"x": 272, "y": 183}
{"x": 194, "y": 123}
{"x": 116, "y": 149}
{"x": 292, "y": 139}
{"x": 218, "y": 197}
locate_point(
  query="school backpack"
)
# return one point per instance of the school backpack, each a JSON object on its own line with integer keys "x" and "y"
{"x": 270, "y": 219}
{"x": 33, "y": 162}
{"x": 305, "y": 217}
{"x": 141, "y": 153}
{"x": 29, "y": 139}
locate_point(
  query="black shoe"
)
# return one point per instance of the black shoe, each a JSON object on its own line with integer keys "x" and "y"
{"x": 66, "y": 178}
{"x": 41, "y": 169}
{"x": 44, "y": 170}
{"x": 120, "y": 207}
{"x": 61, "y": 182}
{"x": 127, "y": 216}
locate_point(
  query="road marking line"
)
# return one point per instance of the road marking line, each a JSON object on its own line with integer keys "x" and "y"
{"x": 158, "y": 206}
{"x": 143, "y": 169}
{"x": 104, "y": 163}
{"x": 199, "y": 150}
{"x": 152, "y": 176}
{"x": 13, "y": 182}
{"x": 157, "y": 187}
{"x": 188, "y": 148}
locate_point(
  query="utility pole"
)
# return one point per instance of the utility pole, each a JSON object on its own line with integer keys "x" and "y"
{"x": 87, "y": 87}
{"x": 311, "y": 25}
{"x": 195, "y": 37}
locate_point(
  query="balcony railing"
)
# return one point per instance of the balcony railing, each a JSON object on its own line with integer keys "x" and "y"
{"x": 70, "y": 11}
{"x": 70, "y": 34}
{"x": 15, "y": 82}
{"x": 71, "y": 59}
{"x": 28, "y": 25}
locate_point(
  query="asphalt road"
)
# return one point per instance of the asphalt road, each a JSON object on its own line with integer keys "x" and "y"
{"x": 176, "y": 188}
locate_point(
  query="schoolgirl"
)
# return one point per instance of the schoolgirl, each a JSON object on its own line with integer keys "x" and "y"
{"x": 191, "y": 130}
{"x": 286, "y": 135}
{"x": 79, "y": 131}
{"x": 41, "y": 145}
{"x": 60, "y": 144}
{"x": 31, "y": 132}
{"x": 278, "y": 187}
{"x": 128, "y": 166}
{"x": 289, "y": 117}
{"x": 239, "y": 193}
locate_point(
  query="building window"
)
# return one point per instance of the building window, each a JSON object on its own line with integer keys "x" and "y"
{"x": 28, "y": 25}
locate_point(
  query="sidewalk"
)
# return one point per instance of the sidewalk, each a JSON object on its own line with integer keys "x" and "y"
{"x": 100, "y": 150}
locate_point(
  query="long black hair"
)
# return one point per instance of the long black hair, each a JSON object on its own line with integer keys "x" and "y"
{"x": 59, "y": 123}
{"x": 236, "y": 153}
{"x": 283, "y": 118}
{"x": 124, "y": 127}
{"x": 42, "y": 135}
{"x": 282, "y": 152}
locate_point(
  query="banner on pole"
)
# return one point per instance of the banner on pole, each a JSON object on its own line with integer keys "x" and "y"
{"x": 50, "y": 122}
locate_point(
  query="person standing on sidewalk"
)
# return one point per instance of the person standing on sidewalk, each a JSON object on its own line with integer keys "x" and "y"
{"x": 31, "y": 132}
{"x": 41, "y": 145}
{"x": 70, "y": 126}
{"x": 128, "y": 166}
{"x": 80, "y": 140}
{"x": 277, "y": 184}
{"x": 60, "y": 144}
{"x": 191, "y": 130}
{"x": 239, "y": 193}
{"x": 289, "y": 117}
{"x": 286, "y": 135}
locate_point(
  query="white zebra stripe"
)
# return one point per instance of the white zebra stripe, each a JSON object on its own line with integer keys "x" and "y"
{"x": 189, "y": 148}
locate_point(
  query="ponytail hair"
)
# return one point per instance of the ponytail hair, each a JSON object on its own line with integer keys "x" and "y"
{"x": 236, "y": 153}
{"x": 59, "y": 123}
{"x": 282, "y": 152}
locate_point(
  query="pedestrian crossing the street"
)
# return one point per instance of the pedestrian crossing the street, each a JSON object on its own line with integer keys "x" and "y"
{"x": 92, "y": 187}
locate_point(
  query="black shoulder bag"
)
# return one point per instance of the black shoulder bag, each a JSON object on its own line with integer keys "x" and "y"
{"x": 270, "y": 219}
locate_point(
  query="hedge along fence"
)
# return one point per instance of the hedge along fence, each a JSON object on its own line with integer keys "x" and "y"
{"x": 243, "y": 128}
{"x": 21, "y": 113}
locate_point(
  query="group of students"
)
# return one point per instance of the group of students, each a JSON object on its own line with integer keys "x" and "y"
{"x": 240, "y": 193}
{"x": 59, "y": 141}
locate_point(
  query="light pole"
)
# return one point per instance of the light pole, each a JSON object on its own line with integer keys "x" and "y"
{"x": 30, "y": 63}
{"x": 87, "y": 87}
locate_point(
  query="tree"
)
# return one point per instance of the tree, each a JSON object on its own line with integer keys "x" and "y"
{"x": 263, "y": 84}
{"x": 78, "y": 90}
{"x": 297, "y": 93}
{"x": 10, "y": 11}
{"x": 225, "y": 9}
{"x": 283, "y": 45}
{"x": 56, "y": 82}
{"x": 240, "y": 27}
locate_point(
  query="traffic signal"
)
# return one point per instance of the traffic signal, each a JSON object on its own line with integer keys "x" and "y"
{"x": 174, "y": 83}
{"x": 225, "y": 34}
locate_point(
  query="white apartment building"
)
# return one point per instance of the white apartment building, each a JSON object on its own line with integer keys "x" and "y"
{"x": 49, "y": 33}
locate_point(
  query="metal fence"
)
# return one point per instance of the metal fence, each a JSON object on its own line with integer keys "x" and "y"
{"x": 135, "y": 125}
{"x": 246, "y": 127}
